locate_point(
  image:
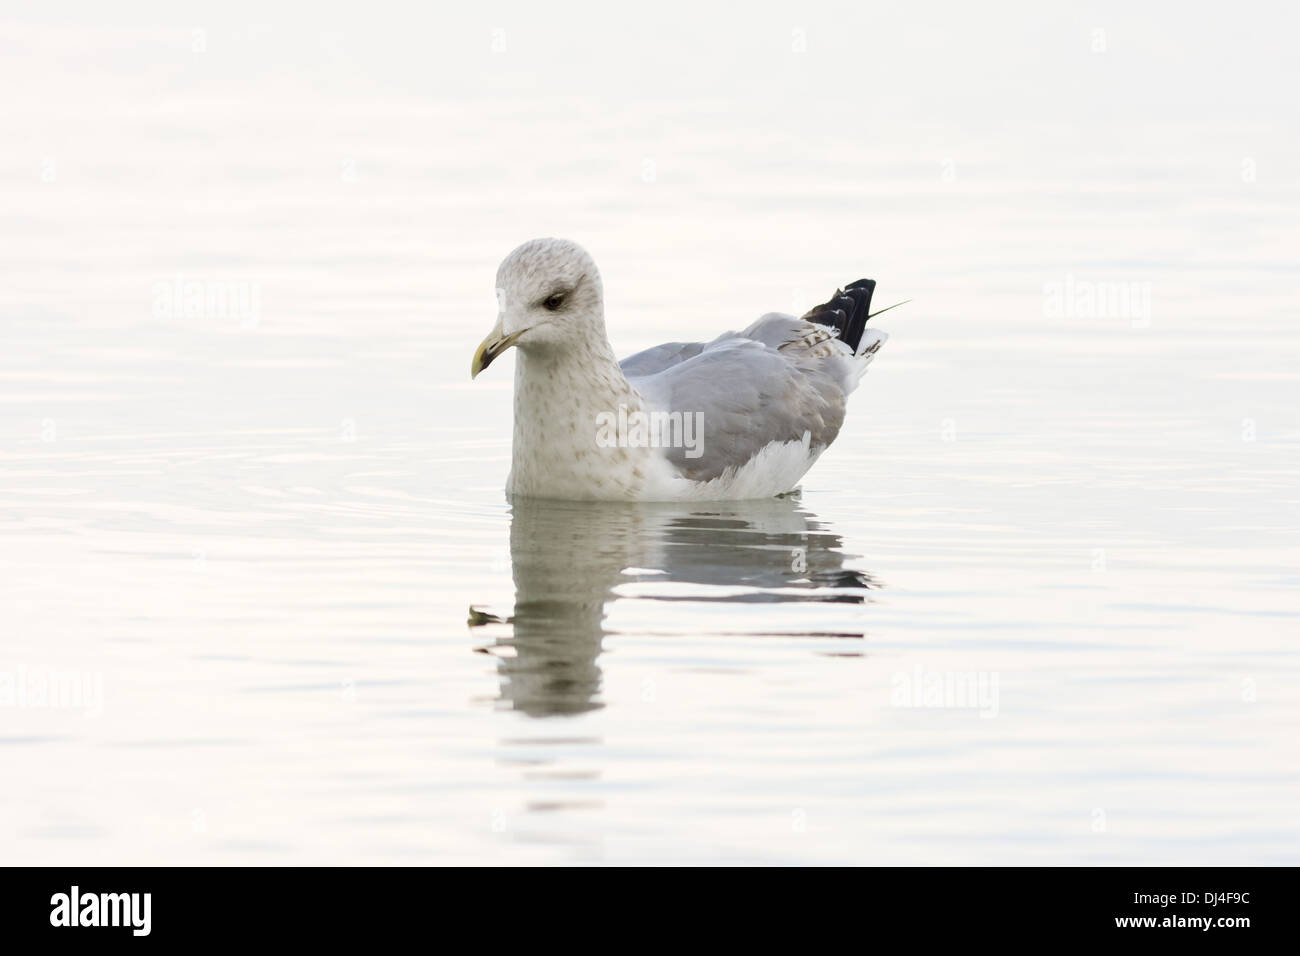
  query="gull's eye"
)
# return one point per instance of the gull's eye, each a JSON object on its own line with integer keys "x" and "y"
{"x": 554, "y": 302}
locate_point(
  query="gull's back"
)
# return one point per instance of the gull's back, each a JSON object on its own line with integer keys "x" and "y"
{"x": 770, "y": 398}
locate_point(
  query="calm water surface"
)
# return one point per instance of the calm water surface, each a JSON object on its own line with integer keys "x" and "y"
{"x": 1037, "y": 604}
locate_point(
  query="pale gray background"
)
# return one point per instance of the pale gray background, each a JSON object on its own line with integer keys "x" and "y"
{"x": 262, "y": 536}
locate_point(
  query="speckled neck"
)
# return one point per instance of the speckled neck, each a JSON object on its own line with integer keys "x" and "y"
{"x": 558, "y": 394}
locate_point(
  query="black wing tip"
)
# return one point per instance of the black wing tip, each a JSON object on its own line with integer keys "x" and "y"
{"x": 846, "y": 311}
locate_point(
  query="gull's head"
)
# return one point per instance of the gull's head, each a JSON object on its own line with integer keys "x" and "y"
{"x": 549, "y": 297}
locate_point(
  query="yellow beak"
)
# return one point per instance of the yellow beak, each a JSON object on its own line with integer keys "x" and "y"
{"x": 490, "y": 348}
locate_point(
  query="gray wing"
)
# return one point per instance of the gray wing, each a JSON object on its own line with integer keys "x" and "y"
{"x": 778, "y": 380}
{"x": 659, "y": 357}
{"x": 773, "y": 329}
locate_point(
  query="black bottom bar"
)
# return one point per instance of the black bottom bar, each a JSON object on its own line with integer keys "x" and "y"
{"x": 1228, "y": 906}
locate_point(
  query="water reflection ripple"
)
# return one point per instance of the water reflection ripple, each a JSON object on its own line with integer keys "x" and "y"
{"x": 572, "y": 560}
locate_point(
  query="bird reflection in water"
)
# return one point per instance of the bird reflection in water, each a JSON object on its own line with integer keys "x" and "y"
{"x": 568, "y": 558}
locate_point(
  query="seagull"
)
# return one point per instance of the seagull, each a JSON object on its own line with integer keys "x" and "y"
{"x": 741, "y": 417}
